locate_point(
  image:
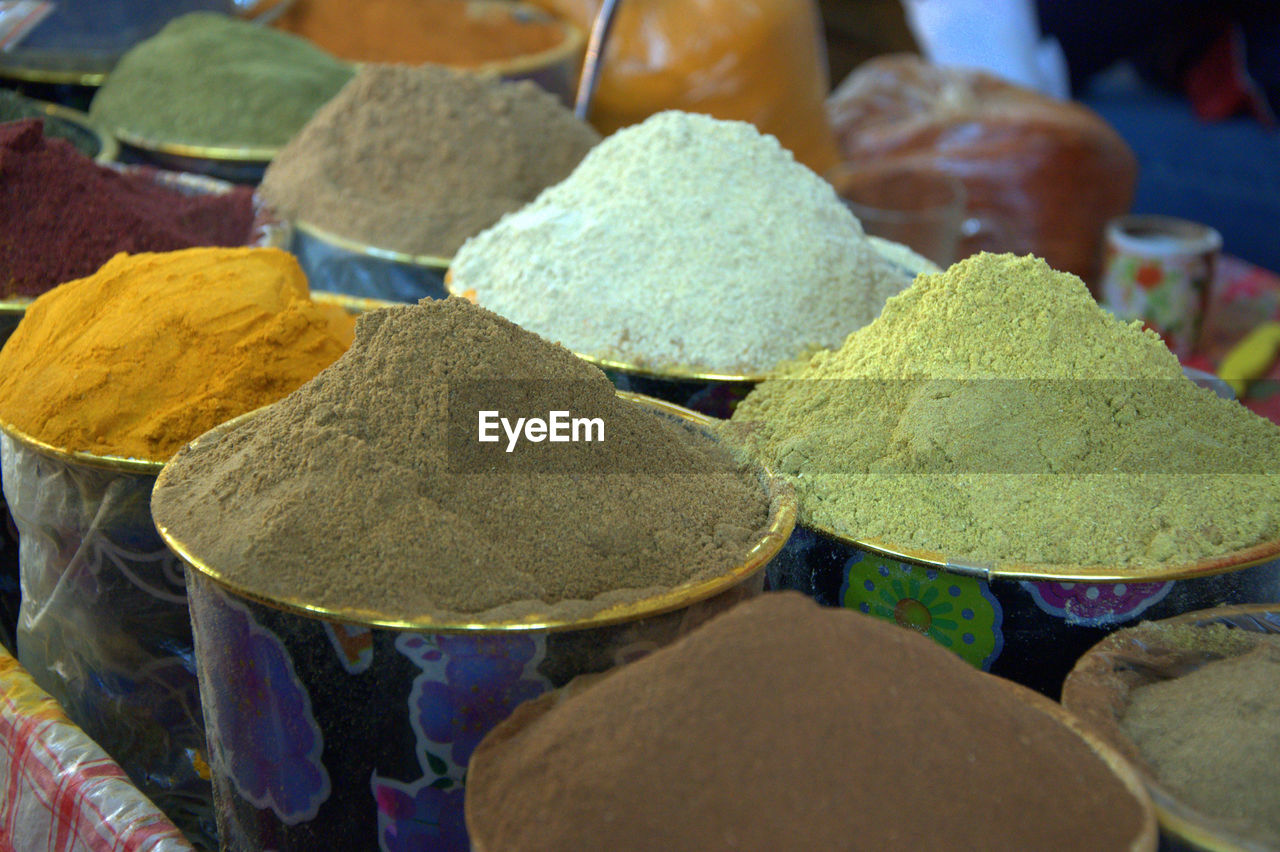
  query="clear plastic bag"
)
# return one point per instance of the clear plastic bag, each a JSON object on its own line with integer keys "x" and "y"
{"x": 762, "y": 61}
{"x": 104, "y": 626}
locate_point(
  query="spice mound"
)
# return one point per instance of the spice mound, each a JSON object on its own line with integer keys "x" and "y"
{"x": 444, "y": 32}
{"x": 15, "y": 107}
{"x": 370, "y": 490}
{"x": 214, "y": 81}
{"x": 64, "y": 215}
{"x": 684, "y": 241}
{"x": 154, "y": 349}
{"x": 994, "y": 413}
{"x": 1212, "y": 736}
{"x": 418, "y": 159}
{"x": 784, "y": 725}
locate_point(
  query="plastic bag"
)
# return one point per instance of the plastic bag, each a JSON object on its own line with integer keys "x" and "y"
{"x": 762, "y": 61}
{"x": 60, "y": 790}
{"x": 104, "y": 626}
{"x": 1042, "y": 176}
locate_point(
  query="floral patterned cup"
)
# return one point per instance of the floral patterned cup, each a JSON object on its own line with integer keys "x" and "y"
{"x": 1159, "y": 269}
{"x": 331, "y": 732}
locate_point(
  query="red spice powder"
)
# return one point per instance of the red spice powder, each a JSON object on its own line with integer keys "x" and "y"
{"x": 62, "y": 215}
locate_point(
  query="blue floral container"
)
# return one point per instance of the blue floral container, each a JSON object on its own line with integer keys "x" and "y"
{"x": 340, "y": 265}
{"x": 1024, "y": 624}
{"x": 328, "y": 731}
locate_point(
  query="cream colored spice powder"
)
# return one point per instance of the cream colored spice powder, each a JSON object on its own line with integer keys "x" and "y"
{"x": 994, "y": 413}
{"x": 683, "y": 241}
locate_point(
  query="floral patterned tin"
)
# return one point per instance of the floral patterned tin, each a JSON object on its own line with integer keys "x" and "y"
{"x": 1021, "y": 622}
{"x": 328, "y": 732}
{"x": 340, "y": 265}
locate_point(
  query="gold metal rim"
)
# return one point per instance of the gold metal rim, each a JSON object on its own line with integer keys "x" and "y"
{"x": 687, "y": 374}
{"x": 352, "y": 304}
{"x": 115, "y": 464}
{"x": 1015, "y": 571}
{"x": 572, "y": 43}
{"x": 782, "y": 515}
{"x": 52, "y": 76}
{"x": 357, "y": 247}
{"x": 108, "y": 147}
{"x": 229, "y": 153}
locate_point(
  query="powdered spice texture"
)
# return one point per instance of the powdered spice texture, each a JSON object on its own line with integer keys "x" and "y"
{"x": 417, "y": 159}
{"x": 684, "y": 241}
{"x": 154, "y": 349}
{"x": 783, "y": 725}
{"x": 348, "y": 494}
{"x": 1213, "y": 735}
{"x": 64, "y": 215}
{"x": 995, "y": 413}
{"x": 210, "y": 80}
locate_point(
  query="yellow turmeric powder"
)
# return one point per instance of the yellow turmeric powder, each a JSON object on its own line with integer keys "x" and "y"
{"x": 154, "y": 349}
{"x": 444, "y": 32}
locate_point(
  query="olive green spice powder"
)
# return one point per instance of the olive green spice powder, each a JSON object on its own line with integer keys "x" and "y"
{"x": 994, "y": 413}
{"x": 211, "y": 80}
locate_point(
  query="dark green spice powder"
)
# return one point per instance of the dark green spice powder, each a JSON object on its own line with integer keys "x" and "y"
{"x": 210, "y": 80}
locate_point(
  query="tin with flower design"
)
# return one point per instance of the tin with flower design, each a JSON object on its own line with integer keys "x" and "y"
{"x": 353, "y": 730}
{"x": 1159, "y": 269}
{"x": 1025, "y": 623}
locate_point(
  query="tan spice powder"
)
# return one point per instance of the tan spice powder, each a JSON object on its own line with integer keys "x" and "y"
{"x": 995, "y": 413}
{"x": 352, "y": 493}
{"x": 1213, "y": 736}
{"x": 781, "y": 725}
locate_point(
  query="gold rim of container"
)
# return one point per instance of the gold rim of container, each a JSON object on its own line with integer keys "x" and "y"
{"x": 357, "y": 247}
{"x": 1032, "y": 572}
{"x": 101, "y": 461}
{"x": 782, "y": 514}
{"x": 1177, "y": 817}
{"x": 108, "y": 147}
{"x": 572, "y": 42}
{"x": 691, "y": 374}
{"x": 73, "y": 77}
{"x": 227, "y": 153}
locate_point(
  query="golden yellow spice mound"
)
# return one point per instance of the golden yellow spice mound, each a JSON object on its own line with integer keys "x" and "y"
{"x": 994, "y": 413}
{"x": 154, "y": 349}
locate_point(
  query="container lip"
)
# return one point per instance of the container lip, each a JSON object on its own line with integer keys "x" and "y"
{"x": 108, "y": 147}
{"x": 354, "y": 304}
{"x": 112, "y": 463}
{"x": 303, "y": 227}
{"x": 680, "y": 373}
{"x": 782, "y": 515}
{"x": 1175, "y": 816}
{"x": 1037, "y": 573}
{"x": 573, "y": 40}
{"x": 262, "y": 154}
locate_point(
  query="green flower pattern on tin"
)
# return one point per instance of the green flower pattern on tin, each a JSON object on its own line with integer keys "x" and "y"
{"x": 959, "y": 613}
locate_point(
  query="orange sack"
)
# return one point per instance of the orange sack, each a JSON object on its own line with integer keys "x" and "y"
{"x": 761, "y": 61}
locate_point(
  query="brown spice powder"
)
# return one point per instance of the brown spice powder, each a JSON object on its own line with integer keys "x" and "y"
{"x": 1213, "y": 736}
{"x": 357, "y": 491}
{"x": 419, "y": 159}
{"x": 783, "y": 725}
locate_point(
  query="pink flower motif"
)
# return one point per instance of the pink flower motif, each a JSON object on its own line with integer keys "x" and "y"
{"x": 1096, "y": 604}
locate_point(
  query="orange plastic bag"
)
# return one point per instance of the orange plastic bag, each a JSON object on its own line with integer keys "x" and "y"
{"x": 762, "y": 61}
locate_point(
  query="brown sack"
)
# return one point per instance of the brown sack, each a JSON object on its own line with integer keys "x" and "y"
{"x": 1043, "y": 176}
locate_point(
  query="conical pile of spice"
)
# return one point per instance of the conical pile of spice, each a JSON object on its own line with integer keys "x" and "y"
{"x": 369, "y": 490}
{"x": 418, "y": 159}
{"x": 995, "y": 413}
{"x": 460, "y": 33}
{"x": 154, "y": 349}
{"x": 784, "y": 725}
{"x": 64, "y": 215}
{"x": 683, "y": 241}
{"x": 209, "y": 80}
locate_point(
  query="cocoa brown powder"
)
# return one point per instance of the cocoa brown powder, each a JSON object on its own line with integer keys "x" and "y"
{"x": 367, "y": 490}
{"x": 783, "y": 725}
